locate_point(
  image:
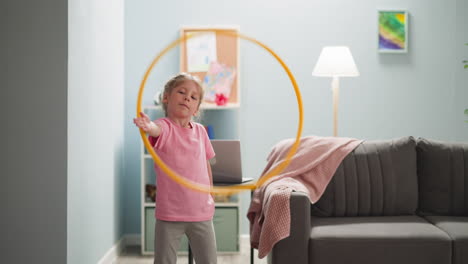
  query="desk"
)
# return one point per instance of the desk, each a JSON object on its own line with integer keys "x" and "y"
{"x": 224, "y": 212}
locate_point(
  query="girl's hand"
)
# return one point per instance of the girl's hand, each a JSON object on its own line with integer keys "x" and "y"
{"x": 145, "y": 123}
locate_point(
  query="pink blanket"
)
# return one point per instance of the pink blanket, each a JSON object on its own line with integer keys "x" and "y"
{"x": 310, "y": 171}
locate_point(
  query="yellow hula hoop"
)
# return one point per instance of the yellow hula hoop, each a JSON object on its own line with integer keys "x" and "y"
{"x": 220, "y": 189}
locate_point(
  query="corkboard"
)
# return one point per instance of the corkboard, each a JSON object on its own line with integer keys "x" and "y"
{"x": 227, "y": 50}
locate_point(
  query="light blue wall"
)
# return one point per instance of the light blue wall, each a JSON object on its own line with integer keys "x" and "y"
{"x": 421, "y": 93}
{"x": 95, "y": 128}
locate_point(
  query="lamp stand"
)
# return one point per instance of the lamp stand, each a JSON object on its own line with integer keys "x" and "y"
{"x": 336, "y": 93}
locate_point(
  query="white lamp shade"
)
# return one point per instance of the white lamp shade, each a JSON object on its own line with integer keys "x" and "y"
{"x": 335, "y": 61}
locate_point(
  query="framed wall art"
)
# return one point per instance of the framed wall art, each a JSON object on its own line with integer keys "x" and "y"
{"x": 392, "y": 31}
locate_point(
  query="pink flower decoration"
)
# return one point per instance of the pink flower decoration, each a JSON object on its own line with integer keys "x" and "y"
{"x": 221, "y": 99}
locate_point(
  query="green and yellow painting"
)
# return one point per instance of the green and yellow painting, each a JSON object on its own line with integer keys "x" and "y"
{"x": 393, "y": 26}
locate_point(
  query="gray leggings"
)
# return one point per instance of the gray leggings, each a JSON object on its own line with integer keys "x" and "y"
{"x": 201, "y": 237}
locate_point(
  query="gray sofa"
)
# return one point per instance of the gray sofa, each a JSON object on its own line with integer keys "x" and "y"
{"x": 396, "y": 201}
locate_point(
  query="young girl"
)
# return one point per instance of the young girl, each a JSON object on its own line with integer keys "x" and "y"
{"x": 185, "y": 147}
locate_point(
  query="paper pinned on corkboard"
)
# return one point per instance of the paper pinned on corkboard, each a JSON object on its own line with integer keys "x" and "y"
{"x": 218, "y": 80}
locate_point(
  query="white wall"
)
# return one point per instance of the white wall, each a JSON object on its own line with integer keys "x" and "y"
{"x": 421, "y": 93}
{"x": 95, "y": 128}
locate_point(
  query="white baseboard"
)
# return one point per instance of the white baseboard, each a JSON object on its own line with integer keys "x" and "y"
{"x": 112, "y": 254}
{"x": 126, "y": 240}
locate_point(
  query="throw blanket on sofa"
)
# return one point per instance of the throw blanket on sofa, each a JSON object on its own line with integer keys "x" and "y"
{"x": 310, "y": 170}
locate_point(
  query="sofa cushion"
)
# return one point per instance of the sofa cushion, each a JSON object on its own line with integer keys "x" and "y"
{"x": 378, "y": 178}
{"x": 443, "y": 177}
{"x": 457, "y": 228}
{"x": 383, "y": 240}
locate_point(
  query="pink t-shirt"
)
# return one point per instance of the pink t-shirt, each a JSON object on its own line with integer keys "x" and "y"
{"x": 185, "y": 151}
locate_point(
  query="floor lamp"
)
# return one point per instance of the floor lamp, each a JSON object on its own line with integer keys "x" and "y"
{"x": 335, "y": 62}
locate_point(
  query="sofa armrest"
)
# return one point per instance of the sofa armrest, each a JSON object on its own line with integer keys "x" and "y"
{"x": 295, "y": 248}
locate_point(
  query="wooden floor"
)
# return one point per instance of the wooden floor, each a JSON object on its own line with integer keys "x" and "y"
{"x": 131, "y": 255}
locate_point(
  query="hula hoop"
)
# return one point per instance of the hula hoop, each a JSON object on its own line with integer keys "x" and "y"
{"x": 221, "y": 189}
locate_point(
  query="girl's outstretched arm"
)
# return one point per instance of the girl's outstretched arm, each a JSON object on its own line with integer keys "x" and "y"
{"x": 145, "y": 123}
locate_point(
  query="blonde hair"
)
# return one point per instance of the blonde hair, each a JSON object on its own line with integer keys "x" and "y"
{"x": 176, "y": 81}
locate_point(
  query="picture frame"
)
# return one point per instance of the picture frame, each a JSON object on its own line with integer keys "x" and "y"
{"x": 392, "y": 30}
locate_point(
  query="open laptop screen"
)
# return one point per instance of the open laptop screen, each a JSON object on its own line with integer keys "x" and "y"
{"x": 226, "y": 166}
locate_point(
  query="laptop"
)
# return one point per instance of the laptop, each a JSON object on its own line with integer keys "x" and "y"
{"x": 226, "y": 166}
